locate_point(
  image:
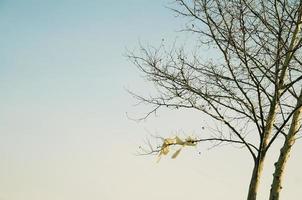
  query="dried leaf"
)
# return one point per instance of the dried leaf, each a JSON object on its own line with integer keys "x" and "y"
{"x": 165, "y": 150}
{"x": 169, "y": 141}
{"x": 158, "y": 159}
{"x": 176, "y": 154}
{"x": 190, "y": 142}
{"x": 178, "y": 141}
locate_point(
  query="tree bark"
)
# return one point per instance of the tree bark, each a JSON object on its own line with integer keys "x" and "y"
{"x": 255, "y": 180}
{"x": 259, "y": 162}
{"x": 285, "y": 152}
{"x": 294, "y": 128}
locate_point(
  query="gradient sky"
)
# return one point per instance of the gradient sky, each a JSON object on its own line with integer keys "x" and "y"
{"x": 64, "y": 133}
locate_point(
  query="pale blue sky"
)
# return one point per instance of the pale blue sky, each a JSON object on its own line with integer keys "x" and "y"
{"x": 64, "y": 134}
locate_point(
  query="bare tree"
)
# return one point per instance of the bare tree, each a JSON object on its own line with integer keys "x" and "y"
{"x": 285, "y": 150}
{"x": 248, "y": 86}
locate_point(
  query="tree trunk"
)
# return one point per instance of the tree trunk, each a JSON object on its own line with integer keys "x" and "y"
{"x": 255, "y": 180}
{"x": 285, "y": 152}
{"x": 259, "y": 161}
{"x": 295, "y": 124}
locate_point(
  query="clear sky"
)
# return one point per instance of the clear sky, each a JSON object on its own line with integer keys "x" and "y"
{"x": 64, "y": 133}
